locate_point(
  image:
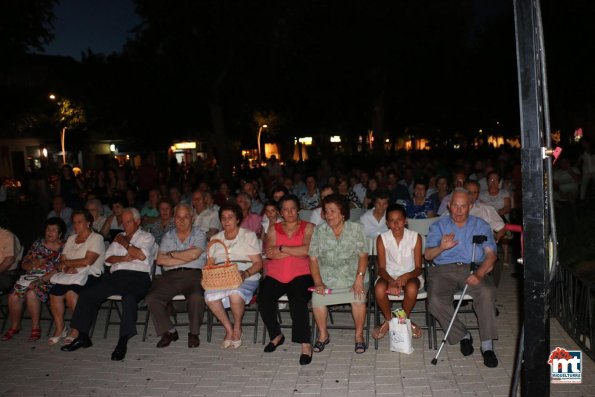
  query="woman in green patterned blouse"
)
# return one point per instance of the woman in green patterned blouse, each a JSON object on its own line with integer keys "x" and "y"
{"x": 338, "y": 261}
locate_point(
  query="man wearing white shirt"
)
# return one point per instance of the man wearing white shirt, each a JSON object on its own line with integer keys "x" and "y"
{"x": 130, "y": 258}
{"x": 205, "y": 218}
{"x": 374, "y": 220}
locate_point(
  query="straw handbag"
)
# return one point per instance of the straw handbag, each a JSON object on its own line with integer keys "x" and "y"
{"x": 218, "y": 277}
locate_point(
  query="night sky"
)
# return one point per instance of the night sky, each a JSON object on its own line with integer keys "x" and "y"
{"x": 101, "y": 26}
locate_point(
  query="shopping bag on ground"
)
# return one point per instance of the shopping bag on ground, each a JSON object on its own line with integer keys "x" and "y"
{"x": 400, "y": 336}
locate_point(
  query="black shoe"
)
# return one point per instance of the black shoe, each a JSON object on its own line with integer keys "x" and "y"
{"x": 76, "y": 344}
{"x": 119, "y": 353}
{"x": 167, "y": 338}
{"x": 305, "y": 359}
{"x": 272, "y": 347}
{"x": 467, "y": 346}
{"x": 193, "y": 340}
{"x": 489, "y": 359}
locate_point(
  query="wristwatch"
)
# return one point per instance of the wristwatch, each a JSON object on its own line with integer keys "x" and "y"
{"x": 361, "y": 274}
{"x": 129, "y": 245}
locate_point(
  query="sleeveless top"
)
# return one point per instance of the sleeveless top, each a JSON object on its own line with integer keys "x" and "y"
{"x": 399, "y": 258}
{"x": 286, "y": 269}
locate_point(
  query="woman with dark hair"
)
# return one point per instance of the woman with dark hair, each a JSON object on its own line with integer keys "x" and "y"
{"x": 33, "y": 287}
{"x": 83, "y": 254}
{"x": 244, "y": 249}
{"x": 419, "y": 207}
{"x": 399, "y": 268}
{"x": 287, "y": 271}
{"x": 338, "y": 261}
{"x": 113, "y": 224}
{"x": 165, "y": 223}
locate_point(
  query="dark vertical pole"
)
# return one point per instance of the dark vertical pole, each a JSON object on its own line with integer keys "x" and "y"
{"x": 536, "y": 347}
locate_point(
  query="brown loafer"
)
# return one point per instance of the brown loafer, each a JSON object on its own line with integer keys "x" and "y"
{"x": 167, "y": 338}
{"x": 193, "y": 340}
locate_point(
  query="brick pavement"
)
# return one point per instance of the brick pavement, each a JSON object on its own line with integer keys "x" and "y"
{"x": 36, "y": 369}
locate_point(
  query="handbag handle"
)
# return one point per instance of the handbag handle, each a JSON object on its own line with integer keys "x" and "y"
{"x": 210, "y": 259}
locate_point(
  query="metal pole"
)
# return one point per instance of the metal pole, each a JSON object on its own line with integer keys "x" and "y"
{"x": 531, "y": 83}
{"x": 63, "y": 142}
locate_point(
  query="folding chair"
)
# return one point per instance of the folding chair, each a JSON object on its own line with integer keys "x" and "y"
{"x": 464, "y": 312}
{"x": 3, "y": 310}
{"x": 282, "y": 301}
{"x": 114, "y": 299}
{"x": 370, "y": 308}
{"x": 212, "y": 321}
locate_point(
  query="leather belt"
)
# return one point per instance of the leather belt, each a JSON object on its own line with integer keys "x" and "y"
{"x": 454, "y": 263}
{"x": 180, "y": 269}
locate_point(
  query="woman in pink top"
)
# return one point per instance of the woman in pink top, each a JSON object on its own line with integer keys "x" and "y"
{"x": 287, "y": 272}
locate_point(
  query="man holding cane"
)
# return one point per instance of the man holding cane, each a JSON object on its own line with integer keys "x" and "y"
{"x": 450, "y": 245}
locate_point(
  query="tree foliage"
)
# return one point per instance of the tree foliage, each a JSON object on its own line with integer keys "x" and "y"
{"x": 25, "y": 25}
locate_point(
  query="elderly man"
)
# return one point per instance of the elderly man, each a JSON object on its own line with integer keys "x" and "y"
{"x": 182, "y": 256}
{"x": 60, "y": 210}
{"x": 450, "y": 246}
{"x": 374, "y": 220}
{"x": 205, "y": 218}
{"x": 10, "y": 249}
{"x": 130, "y": 258}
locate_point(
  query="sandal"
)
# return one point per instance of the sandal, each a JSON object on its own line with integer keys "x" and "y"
{"x": 416, "y": 331}
{"x": 380, "y": 330}
{"x": 35, "y": 335}
{"x": 320, "y": 345}
{"x": 10, "y": 333}
{"x": 360, "y": 347}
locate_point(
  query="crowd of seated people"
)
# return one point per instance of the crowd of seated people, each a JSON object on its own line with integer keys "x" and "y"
{"x": 257, "y": 218}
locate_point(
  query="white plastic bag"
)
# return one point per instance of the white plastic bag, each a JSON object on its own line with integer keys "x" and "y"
{"x": 400, "y": 336}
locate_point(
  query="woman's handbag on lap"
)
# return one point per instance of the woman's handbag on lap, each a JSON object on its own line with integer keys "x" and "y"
{"x": 78, "y": 278}
{"x": 219, "y": 277}
{"x": 400, "y": 336}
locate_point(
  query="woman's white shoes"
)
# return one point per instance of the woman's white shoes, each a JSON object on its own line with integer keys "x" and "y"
{"x": 55, "y": 339}
{"x": 236, "y": 343}
{"x": 226, "y": 343}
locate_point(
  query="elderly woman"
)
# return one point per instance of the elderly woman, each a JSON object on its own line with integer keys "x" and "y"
{"x": 83, "y": 254}
{"x": 244, "y": 249}
{"x": 399, "y": 268}
{"x": 287, "y": 271}
{"x": 95, "y": 207}
{"x": 420, "y": 206}
{"x": 338, "y": 262}
{"x": 165, "y": 222}
{"x": 33, "y": 288}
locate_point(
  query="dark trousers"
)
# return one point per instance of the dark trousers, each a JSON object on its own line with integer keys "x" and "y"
{"x": 299, "y": 296}
{"x": 172, "y": 283}
{"x": 131, "y": 285}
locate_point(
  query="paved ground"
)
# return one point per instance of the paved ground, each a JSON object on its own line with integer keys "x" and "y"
{"x": 36, "y": 369}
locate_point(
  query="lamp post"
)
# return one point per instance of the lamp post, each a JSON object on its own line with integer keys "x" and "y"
{"x": 62, "y": 133}
{"x": 258, "y": 140}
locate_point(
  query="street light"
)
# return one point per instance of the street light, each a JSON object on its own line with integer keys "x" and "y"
{"x": 258, "y": 140}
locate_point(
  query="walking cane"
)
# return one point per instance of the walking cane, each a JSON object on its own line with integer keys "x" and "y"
{"x": 478, "y": 239}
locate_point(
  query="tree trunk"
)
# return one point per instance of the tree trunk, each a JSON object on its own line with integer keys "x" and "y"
{"x": 219, "y": 138}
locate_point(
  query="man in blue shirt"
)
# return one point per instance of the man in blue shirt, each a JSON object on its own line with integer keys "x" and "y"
{"x": 182, "y": 256}
{"x": 450, "y": 246}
